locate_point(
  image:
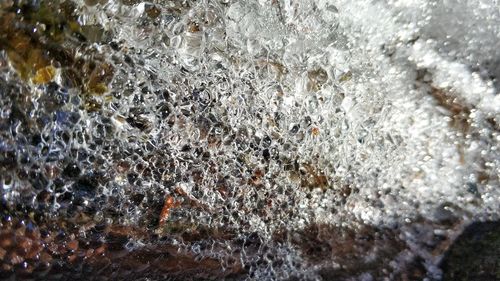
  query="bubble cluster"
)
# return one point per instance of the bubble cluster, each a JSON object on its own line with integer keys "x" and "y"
{"x": 243, "y": 139}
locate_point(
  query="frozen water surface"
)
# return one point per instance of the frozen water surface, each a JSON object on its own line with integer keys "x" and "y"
{"x": 281, "y": 139}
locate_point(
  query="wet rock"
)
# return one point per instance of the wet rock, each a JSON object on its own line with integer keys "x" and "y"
{"x": 475, "y": 254}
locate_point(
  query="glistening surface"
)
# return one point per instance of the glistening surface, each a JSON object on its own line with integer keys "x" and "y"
{"x": 268, "y": 140}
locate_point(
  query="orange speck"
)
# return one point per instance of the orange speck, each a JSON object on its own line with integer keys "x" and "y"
{"x": 165, "y": 212}
{"x": 180, "y": 191}
{"x": 72, "y": 245}
{"x": 100, "y": 250}
{"x": 315, "y": 131}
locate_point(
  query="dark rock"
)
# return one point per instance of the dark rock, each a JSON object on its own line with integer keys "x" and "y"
{"x": 475, "y": 255}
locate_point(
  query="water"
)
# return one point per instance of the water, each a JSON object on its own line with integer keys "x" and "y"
{"x": 264, "y": 136}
